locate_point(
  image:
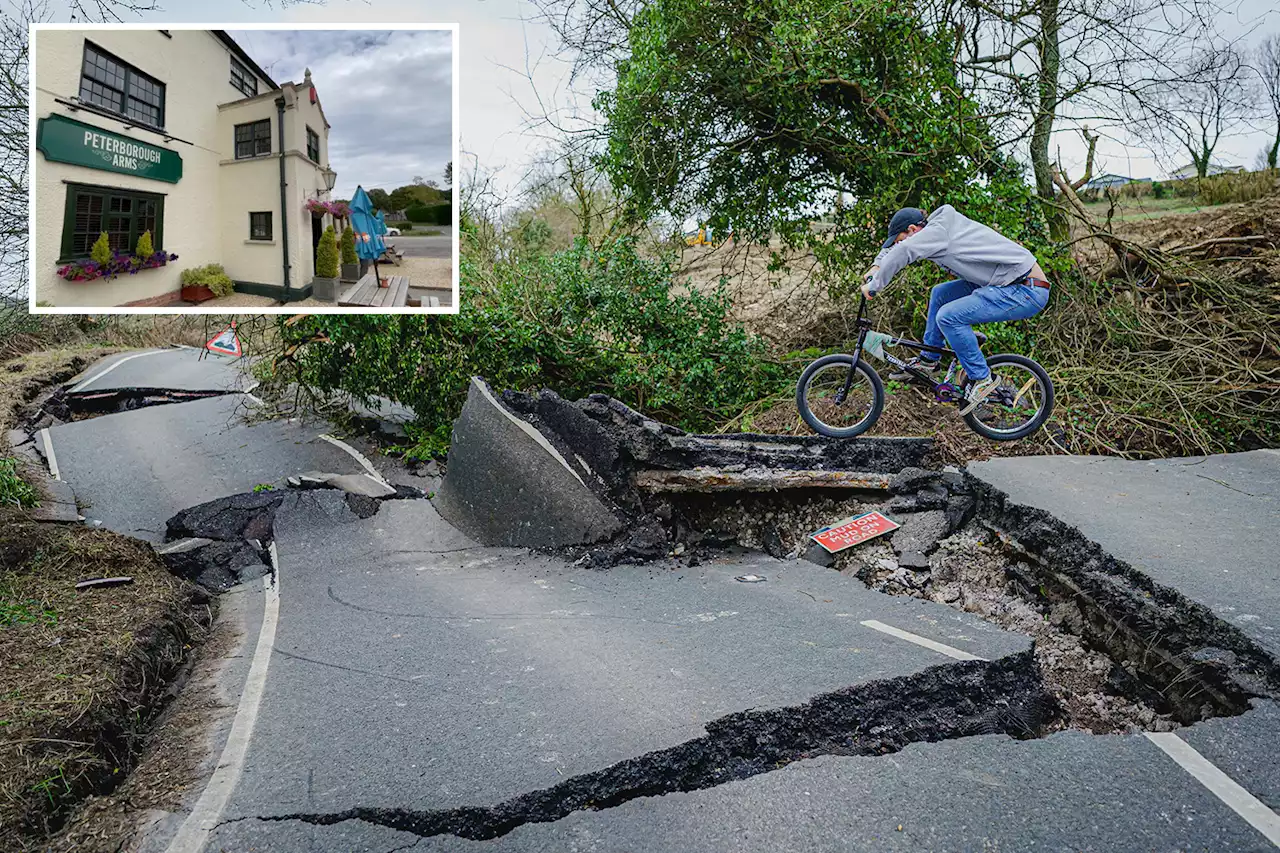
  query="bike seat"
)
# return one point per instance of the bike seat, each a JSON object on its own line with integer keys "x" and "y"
{"x": 982, "y": 339}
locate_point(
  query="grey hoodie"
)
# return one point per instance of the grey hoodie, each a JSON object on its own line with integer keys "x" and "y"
{"x": 966, "y": 249}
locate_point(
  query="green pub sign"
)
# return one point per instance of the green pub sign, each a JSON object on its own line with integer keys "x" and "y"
{"x": 66, "y": 140}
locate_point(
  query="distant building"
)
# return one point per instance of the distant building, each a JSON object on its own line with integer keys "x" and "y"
{"x": 1103, "y": 182}
{"x": 1190, "y": 171}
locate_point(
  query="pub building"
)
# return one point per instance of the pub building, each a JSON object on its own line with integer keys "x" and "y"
{"x": 180, "y": 133}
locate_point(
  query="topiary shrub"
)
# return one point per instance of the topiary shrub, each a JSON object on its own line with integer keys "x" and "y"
{"x": 327, "y": 255}
{"x": 101, "y": 252}
{"x": 144, "y": 249}
{"x": 349, "y": 246}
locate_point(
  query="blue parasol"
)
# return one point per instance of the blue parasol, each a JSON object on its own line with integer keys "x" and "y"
{"x": 382, "y": 223}
{"x": 369, "y": 245}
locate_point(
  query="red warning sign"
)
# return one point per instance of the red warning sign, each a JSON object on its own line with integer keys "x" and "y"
{"x": 851, "y": 531}
{"x": 226, "y": 342}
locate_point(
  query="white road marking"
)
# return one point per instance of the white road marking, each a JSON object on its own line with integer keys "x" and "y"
{"x": 949, "y": 651}
{"x": 1222, "y": 786}
{"x": 48, "y": 453}
{"x": 195, "y": 830}
{"x": 357, "y": 455}
{"x": 80, "y": 386}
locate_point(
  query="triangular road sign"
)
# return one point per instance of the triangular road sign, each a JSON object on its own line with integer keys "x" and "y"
{"x": 227, "y": 342}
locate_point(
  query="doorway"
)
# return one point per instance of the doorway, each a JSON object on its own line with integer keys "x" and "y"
{"x": 317, "y": 228}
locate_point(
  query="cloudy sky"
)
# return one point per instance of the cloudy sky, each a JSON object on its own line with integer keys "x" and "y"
{"x": 507, "y": 73}
{"x": 386, "y": 93}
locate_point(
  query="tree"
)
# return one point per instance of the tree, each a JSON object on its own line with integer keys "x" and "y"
{"x": 1039, "y": 66}
{"x": 753, "y": 115}
{"x": 380, "y": 199}
{"x": 448, "y": 174}
{"x": 1211, "y": 101}
{"x": 1267, "y": 66}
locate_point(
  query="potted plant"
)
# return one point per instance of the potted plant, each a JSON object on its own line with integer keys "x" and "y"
{"x": 203, "y": 283}
{"x": 350, "y": 263}
{"x": 325, "y": 284}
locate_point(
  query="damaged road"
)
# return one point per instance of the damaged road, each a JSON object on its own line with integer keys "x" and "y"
{"x": 558, "y": 653}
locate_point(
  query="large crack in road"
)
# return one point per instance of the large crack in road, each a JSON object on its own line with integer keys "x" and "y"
{"x": 478, "y": 690}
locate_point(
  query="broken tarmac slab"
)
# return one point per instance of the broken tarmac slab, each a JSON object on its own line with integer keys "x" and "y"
{"x": 506, "y": 484}
{"x": 1146, "y": 596}
{"x": 582, "y": 686}
{"x": 172, "y": 369}
{"x": 540, "y": 471}
{"x": 1069, "y": 791}
{"x": 224, "y": 542}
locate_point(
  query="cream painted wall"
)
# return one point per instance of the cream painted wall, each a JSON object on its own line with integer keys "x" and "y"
{"x": 207, "y": 211}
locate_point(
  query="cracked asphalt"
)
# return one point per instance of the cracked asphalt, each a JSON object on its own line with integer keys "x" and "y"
{"x": 426, "y": 693}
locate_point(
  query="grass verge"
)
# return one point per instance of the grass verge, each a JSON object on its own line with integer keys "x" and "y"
{"x": 83, "y": 673}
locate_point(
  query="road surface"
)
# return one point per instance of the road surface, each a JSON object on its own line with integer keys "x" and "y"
{"x": 403, "y": 687}
{"x": 422, "y": 246}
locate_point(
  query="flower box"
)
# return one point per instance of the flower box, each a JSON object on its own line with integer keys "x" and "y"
{"x": 120, "y": 264}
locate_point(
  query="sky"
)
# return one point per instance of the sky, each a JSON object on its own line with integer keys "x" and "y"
{"x": 386, "y": 94}
{"x": 508, "y": 74}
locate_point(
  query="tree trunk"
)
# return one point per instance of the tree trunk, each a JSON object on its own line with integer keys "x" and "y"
{"x": 1275, "y": 147}
{"x": 1042, "y": 124}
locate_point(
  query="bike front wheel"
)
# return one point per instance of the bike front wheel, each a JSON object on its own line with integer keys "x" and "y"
{"x": 838, "y": 397}
{"x": 1019, "y": 406}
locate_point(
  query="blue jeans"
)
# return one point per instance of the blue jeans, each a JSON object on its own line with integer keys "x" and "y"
{"x": 954, "y": 306}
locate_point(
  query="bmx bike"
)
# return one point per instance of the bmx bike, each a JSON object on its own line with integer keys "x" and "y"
{"x": 841, "y": 395}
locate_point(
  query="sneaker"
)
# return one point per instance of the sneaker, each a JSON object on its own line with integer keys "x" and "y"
{"x": 979, "y": 391}
{"x": 924, "y": 364}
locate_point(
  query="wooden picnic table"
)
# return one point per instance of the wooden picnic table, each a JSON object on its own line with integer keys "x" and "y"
{"x": 365, "y": 293}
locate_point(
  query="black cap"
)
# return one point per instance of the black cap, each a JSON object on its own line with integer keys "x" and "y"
{"x": 902, "y": 220}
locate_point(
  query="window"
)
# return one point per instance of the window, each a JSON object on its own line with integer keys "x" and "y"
{"x": 123, "y": 214}
{"x": 313, "y": 146}
{"x": 253, "y": 139}
{"x": 120, "y": 88}
{"x": 242, "y": 79}
{"x": 260, "y": 226}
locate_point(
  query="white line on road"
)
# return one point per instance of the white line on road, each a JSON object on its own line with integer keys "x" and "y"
{"x": 357, "y": 455}
{"x": 949, "y": 651}
{"x": 1219, "y": 784}
{"x": 80, "y": 386}
{"x": 48, "y": 453}
{"x": 195, "y": 830}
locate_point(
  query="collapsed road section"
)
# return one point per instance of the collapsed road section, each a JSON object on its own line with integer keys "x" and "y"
{"x": 541, "y": 471}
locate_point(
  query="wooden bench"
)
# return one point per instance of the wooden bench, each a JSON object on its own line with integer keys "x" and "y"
{"x": 390, "y": 255}
{"x": 365, "y": 293}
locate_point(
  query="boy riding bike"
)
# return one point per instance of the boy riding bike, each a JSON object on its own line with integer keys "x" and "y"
{"x": 996, "y": 280}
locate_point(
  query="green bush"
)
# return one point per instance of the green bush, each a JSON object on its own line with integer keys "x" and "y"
{"x": 212, "y": 276}
{"x": 434, "y": 214}
{"x": 327, "y": 255}
{"x": 14, "y": 491}
{"x": 581, "y": 321}
{"x": 144, "y": 249}
{"x": 101, "y": 251}
{"x": 349, "y": 246}
{"x": 1157, "y": 189}
{"x": 1238, "y": 186}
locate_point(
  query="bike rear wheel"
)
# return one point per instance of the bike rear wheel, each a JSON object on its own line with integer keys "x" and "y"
{"x": 1019, "y": 406}
{"x": 825, "y": 405}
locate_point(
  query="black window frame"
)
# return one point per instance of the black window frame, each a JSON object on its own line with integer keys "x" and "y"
{"x": 311, "y": 134}
{"x": 131, "y": 77}
{"x": 247, "y": 78}
{"x": 135, "y": 215}
{"x": 265, "y": 213}
{"x": 254, "y": 138}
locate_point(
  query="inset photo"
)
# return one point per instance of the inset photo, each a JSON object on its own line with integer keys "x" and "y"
{"x": 263, "y": 170}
